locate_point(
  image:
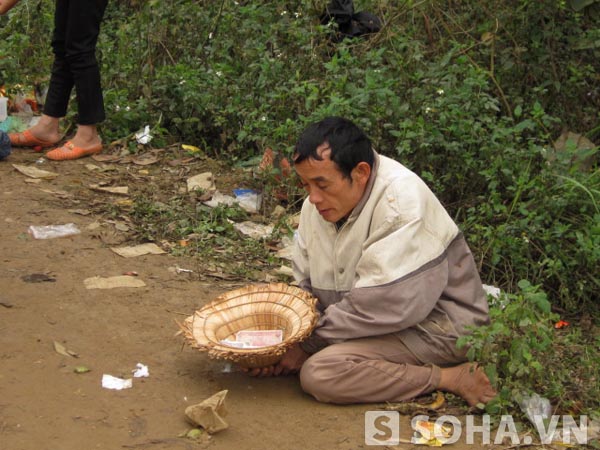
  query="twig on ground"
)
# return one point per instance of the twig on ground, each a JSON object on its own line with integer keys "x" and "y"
{"x": 176, "y": 312}
{"x": 158, "y": 441}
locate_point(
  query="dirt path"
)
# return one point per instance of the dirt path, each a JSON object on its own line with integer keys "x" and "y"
{"x": 45, "y": 405}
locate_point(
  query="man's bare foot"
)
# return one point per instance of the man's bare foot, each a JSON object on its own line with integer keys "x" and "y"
{"x": 468, "y": 381}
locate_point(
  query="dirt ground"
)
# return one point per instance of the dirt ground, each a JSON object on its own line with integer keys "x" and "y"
{"x": 45, "y": 405}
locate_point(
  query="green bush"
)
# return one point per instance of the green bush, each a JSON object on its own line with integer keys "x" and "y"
{"x": 522, "y": 352}
{"x": 470, "y": 95}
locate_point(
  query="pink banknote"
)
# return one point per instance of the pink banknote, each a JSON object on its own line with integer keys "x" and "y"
{"x": 259, "y": 338}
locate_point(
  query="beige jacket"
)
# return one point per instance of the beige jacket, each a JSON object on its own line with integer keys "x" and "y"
{"x": 398, "y": 265}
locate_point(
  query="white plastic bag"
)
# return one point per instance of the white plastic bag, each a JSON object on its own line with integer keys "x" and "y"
{"x": 53, "y": 231}
{"x": 535, "y": 406}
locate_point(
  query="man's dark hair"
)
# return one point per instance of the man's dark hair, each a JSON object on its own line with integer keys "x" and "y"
{"x": 349, "y": 144}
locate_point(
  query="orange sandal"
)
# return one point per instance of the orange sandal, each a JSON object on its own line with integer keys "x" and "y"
{"x": 27, "y": 139}
{"x": 70, "y": 151}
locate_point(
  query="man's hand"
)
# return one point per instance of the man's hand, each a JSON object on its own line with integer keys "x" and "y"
{"x": 291, "y": 362}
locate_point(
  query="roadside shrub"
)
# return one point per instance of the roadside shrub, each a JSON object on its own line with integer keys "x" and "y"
{"x": 523, "y": 353}
{"x": 470, "y": 95}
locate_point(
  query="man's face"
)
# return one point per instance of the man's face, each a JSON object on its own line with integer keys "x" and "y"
{"x": 334, "y": 195}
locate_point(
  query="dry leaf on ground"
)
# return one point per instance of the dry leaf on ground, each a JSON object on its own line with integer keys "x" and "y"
{"x": 138, "y": 250}
{"x": 98, "y": 282}
{"x": 34, "y": 172}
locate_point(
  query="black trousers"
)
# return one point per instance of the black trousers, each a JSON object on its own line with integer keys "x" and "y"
{"x": 76, "y": 29}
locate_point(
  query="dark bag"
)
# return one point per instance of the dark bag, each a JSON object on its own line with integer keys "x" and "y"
{"x": 5, "y": 147}
{"x": 350, "y": 24}
{"x": 364, "y": 22}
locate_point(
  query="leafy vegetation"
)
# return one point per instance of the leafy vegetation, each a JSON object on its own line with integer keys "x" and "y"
{"x": 470, "y": 95}
{"x": 522, "y": 352}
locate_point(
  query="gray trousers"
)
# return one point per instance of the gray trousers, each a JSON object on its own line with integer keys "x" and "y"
{"x": 374, "y": 369}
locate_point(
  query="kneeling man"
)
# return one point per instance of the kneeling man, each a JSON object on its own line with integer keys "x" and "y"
{"x": 395, "y": 279}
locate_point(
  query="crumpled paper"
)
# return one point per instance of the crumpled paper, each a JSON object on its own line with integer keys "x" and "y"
{"x": 209, "y": 413}
{"x": 431, "y": 434}
{"x": 254, "y": 230}
{"x": 141, "y": 371}
{"x": 220, "y": 199}
{"x": 204, "y": 181}
{"x": 143, "y": 136}
{"x": 110, "y": 382}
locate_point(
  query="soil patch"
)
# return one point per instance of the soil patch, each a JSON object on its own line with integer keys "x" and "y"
{"x": 46, "y": 404}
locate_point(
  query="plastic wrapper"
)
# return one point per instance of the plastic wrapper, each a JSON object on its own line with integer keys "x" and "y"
{"x": 143, "y": 136}
{"x": 249, "y": 200}
{"x": 431, "y": 434}
{"x": 3, "y": 108}
{"x": 535, "y": 406}
{"x": 53, "y": 231}
{"x": 110, "y": 382}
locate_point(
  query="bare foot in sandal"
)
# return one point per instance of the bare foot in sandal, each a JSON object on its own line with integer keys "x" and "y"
{"x": 86, "y": 142}
{"x": 45, "y": 133}
{"x": 86, "y": 137}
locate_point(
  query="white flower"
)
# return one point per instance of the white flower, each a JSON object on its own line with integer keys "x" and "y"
{"x": 297, "y": 14}
{"x": 219, "y": 73}
{"x": 283, "y": 13}
{"x": 427, "y": 110}
{"x": 440, "y": 92}
{"x": 210, "y": 35}
{"x": 263, "y": 118}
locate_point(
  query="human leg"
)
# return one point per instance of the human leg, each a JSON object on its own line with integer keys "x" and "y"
{"x": 383, "y": 368}
{"x": 47, "y": 132}
{"x": 374, "y": 369}
{"x": 83, "y": 27}
{"x": 61, "y": 79}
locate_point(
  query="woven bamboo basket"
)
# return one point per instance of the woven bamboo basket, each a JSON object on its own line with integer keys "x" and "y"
{"x": 274, "y": 306}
